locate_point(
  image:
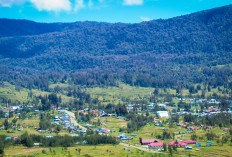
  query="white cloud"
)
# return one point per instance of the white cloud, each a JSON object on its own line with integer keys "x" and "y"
{"x": 9, "y": 3}
{"x": 52, "y": 5}
{"x": 144, "y": 18}
{"x": 133, "y": 2}
{"x": 79, "y": 4}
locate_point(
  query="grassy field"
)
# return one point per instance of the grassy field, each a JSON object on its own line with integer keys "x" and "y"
{"x": 9, "y": 91}
{"x": 96, "y": 151}
{"x": 108, "y": 94}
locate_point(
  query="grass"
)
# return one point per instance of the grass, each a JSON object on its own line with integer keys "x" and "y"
{"x": 8, "y": 90}
{"x": 112, "y": 94}
{"x": 108, "y": 94}
{"x": 96, "y": 151}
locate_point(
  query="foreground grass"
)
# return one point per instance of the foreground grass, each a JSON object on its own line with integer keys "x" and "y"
{"x": 96, "y": 151}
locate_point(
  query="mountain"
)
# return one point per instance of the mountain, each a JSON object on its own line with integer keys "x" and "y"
{"x": 175, "y": 51}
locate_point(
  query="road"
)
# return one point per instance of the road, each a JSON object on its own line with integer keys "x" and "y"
{"x": 73, "y": 120}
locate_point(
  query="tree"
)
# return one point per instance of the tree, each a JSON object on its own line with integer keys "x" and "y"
{"x": 165, "y": 147}
{"x": 2, "y": 147}
{"x": 194, "y": 137}
{"x": 170, "y": 149}
{"x": 44, "y": 124}
{"x": 175, "y": 148}
{"x": 26, "y": 140}
{"x": 79, "y": 151}
{"x": 14, "y": 121}
{"x": 156, "y": 91}
{"x": 6, "y": 124}
{"x": 58, "y": 129}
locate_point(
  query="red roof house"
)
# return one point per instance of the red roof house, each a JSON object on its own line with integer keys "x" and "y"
{"x": 190, "y": 142}
{"x": 156, "y": 145}
{"x": 177, "y": 143}
{"x": 148, "y": 141}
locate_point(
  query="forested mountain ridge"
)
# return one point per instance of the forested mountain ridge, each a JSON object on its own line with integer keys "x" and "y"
{"x": 154, "y": 53}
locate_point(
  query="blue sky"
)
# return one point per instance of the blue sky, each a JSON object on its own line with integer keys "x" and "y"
{"x": 127, "y": 11}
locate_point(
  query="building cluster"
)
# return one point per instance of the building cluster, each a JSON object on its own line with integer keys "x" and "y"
{"x": 156, "y": 144}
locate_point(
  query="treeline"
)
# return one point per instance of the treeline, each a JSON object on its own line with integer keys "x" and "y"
{"x": 95, "y": 139}
{"x": 29, "y": 140}
{"x": 47, "y": 101}
{"x": 221, "y": 120}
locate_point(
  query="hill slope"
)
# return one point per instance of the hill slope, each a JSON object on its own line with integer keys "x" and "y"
{"x": 180, "y": 49}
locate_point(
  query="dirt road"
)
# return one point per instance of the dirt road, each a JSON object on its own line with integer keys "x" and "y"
{"x": 73, "y": 120}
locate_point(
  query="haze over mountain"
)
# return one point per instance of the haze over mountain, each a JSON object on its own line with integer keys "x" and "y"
{"x": 182, "y": 49}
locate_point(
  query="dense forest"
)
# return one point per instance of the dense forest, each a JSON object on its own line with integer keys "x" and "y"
{"x": 176, "y": 52}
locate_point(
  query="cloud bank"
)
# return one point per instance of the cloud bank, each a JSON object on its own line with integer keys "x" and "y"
{"x": 9, "y": 3}
{"x": 49, "y": 5}
{"x": 144, "y": 18}
{"x": 52, "y": 5}
{"x": 133, "y": 2}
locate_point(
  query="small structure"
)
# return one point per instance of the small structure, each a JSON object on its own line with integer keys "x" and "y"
{"x": 8, "y": 138}
{"x": 198, "y": 144}
{"x": 189, "y": 148}
{"x": 37, "y": 144}
{"x": 42, "y": 131}
{"x": 158, "y": 124}
{"x": 104, "y": 114}
{"x": 162, "y": 105}
{"x": 162, "y": 114}
{"x": 208, "y": 144}
{"x": 15, "y": 137}
{"x": 129, "y": 107}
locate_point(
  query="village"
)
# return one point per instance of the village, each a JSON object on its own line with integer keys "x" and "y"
{"x": 172, "y": 127}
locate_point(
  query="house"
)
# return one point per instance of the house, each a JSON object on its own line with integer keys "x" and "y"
{"x": 13, "y": 108}
{"x": 89, "y": 125}
{"x": 53, "y": 107}
{"x": 151, "y": 105}
{"x": 190, "y": 142}
{"x": 198, "y": 144}
{"x": 147, "y": 141}
{"x": 158, "y": 124}
{"x": 8, "y": 138}
{"x": 157, "y": 145}
{"x": 162, "y": 105}
{"x": 129, "y": 107}
{"x": 37, "y": 144}
{"x": 162, "y": 114}
{"x": 104, "y": 114}
{"x": 189, "y": 148}
{"x": 177, "y": 143}
{"x": 42, "y": 131}
{"x": 15, "y": 137}
{"x": 106, "y": 130}
{"x": 123, "y": 137}
{"x": 225, "y": 129}
{"x": 208, "y": 144}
